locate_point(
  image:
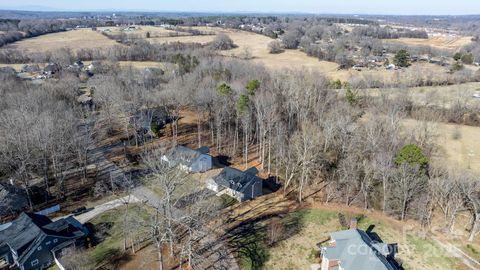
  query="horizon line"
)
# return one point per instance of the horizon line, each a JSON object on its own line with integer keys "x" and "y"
{"x": 230, "y": 12}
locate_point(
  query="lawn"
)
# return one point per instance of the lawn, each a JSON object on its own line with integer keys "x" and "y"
{"x": 314, "y": 226}
{"x": 109, "y": 232}
{"x": 186, "y": 186}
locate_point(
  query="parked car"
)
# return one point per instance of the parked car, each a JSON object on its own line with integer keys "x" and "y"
{"x": 80, "y": 210}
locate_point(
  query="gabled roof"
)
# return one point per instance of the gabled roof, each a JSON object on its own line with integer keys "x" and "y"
{"x": 12, "y": 198}
{"x": 235, "y": 179}
{"x": 357, "y": 251}
{"x": 25, "y": 229}
{"x": 29, "y": 230}
{"x": 186, "y": 156}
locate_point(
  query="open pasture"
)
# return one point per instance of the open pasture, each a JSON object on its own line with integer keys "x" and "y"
{"x": 73, "y": 40}
{"x": 438, "y": 42}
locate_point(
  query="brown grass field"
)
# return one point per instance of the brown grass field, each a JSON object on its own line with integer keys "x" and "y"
{"x": 74, "y": 40}
{"x": 441, "y": 96}
{"x": 257, "y": 47}
{"x": 460, "y": 153}
{"x": 439, "y": 42}
{"x": 249, "y": 44}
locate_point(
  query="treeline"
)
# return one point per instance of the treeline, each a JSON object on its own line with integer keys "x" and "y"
{"x": 40, "y": 139}
{"x": 388, "y": 32}
{"x": 138, "y": 51}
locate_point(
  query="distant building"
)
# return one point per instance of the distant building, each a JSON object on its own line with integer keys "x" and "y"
{"x": 149, "y": 121}
{"x": 355, "y": 249}
{"x": 51, "y": 69}
{"x": 242, "y": 185}
{"x": 390, "y": 66}
{"x": 12, "y": 199}
{"x": 190, "y": 160}
{"x": 30, "y": 69}
{"x": 34, "y": 242}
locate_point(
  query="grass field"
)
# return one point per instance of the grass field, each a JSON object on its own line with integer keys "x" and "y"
{"x": 441, "y": 96}
{"x": 298, "y": 252}
{"x": 74, "y": 40}
{"x": 112, "y": 243}
{"x": 257, "y": 47}
{"x": 440, "y": 42}
{"x": 460, "y": 153}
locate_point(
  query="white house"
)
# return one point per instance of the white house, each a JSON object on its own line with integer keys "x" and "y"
{"x": 190, "y": 160}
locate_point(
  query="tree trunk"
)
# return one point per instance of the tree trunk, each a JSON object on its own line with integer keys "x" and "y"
{"x": 199, "y": 131}
{"x": 125, "y": 217}
{"x": 475, "y": 225}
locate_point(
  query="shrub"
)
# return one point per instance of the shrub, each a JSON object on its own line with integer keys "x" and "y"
{"x": 457, "y": 56}
{"x": 402, "y": 58}
{"x": 275, "y": 47}
{"x": 467, "y": 58}
{"x": 223, "y": 42}
{"x": 224, "y": 89}
{"x": 412, "y": 155}
{"x": 252, "y": 87}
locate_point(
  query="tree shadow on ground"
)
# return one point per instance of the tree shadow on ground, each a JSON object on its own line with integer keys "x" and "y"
{"x": 252, "y": 240}
{"x": 221, "y": 161}
{"x": 271, "y": 185}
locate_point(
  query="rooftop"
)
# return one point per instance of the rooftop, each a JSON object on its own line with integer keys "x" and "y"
{"x": 356, "y": 250}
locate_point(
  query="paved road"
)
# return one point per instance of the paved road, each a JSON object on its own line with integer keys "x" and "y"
{"x": 102, "y": 208}
{"x": 105, "y": 207}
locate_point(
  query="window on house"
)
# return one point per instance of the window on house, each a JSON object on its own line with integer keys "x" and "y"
{"x": 35, "y": 262}
{"x": 55, "y": 240}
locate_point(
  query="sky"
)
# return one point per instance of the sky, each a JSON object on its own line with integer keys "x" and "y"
{"x": 403, "y": 7}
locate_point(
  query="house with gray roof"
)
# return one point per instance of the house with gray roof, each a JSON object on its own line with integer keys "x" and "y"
{"x": 355, "y": 249}
{"x": 34, "y": 242}
{"x": 190, "y": 160}
{"x": 12, "y": 200}
{"x": 242, "y": 185}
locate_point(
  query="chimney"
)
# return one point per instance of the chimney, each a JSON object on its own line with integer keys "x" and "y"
{"x": 353, "y": 224}
{"x": 392, "y": 250}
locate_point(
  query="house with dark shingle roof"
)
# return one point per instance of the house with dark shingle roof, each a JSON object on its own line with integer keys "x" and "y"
{"x": 34, "y": 241}
{"x": 188, "y": 159}
{"x": 12, "y": 200}
{"x": 355, "y": 249}
{"x": 242, "y": 185}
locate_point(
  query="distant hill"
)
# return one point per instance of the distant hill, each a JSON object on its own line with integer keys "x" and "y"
{"x": 29, "y": 8}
